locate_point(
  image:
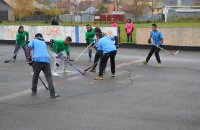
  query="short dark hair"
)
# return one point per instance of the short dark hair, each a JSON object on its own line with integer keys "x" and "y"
{"x": 69, "y": 38}
{"x": 154, "y": 25}
{"x": 88, "y": 25}
{"x": 38, "y": 35}
{"x": 99, "y": 35}
{"x": 20, "y": 28}
{"x": 97, "y": 30}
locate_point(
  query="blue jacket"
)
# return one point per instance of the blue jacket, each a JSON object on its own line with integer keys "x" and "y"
{"x": 106, "y": 44}
{"x": 40, "y": 51}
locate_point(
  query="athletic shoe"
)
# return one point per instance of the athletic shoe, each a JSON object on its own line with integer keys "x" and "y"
{"x": 93, "y": 70}
{"x": 66, "y": 72}
{"x": 99, "y": 78}
{"x": 159, "y": 65}
{"x": 55, "y": 74}
{"x": 113, "y": 75}
{"x": 13, "y": 60}
{"x": 55, "y": 95}
{"x": 145, "y": 62}
{"x": 34, "y": 92}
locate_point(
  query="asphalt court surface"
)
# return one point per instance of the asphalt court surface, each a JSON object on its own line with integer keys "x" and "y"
{"x": 140, "y": 97}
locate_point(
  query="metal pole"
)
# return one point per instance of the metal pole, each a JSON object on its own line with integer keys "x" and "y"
{"x": 56, "y": 8}
{"x": 78, "y": 10}
{"x": 152, "y": 11}
{"x": 20, "y": 16}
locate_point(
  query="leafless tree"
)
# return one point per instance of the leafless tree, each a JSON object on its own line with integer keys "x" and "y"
{"x": 23, "y": 8}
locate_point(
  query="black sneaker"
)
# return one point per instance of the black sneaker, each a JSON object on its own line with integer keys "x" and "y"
{"x": 55, "y": 95}
{"x": 34, "y": 93}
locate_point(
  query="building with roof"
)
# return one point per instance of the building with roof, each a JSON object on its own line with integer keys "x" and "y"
{"x": 6, "y": 11}
{"x": 181, "y": 12}
{"x": 7, "y": 8}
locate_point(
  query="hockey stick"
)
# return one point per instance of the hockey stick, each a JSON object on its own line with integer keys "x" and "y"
{"x": 71, "y": 60}
{"x": 43, "y": 83}
{"x": 101, "y": 55}
{"x": 7, "y": 61}
{"x": 83, "y": 51}
{"x": 90, "y": 67}
{"x": 70, "y": 63}
{"x": 41, "y": 80}
{"x": 75, "y": 68}
{"x": 167, "y": 51}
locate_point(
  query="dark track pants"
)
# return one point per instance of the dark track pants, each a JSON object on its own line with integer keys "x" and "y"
{"x": 45, "y": 67}
{"x": 155, "y": 50}
{"x": 97, "y": 57}
{"x": 104, "y": 60}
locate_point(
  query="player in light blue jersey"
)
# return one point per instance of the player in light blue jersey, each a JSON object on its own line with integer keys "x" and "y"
{"x": 157, "y": 37}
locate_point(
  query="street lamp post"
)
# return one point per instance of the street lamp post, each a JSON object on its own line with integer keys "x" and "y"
{"x": 20, "y": 16}
{"x": 78, "y": 3}
{"x": 152, "y": 11}
{"x": 56, "y": 8}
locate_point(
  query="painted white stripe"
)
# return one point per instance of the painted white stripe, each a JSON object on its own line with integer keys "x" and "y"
{"x": 18, "y": 94}
{"x": 28, "y": 91}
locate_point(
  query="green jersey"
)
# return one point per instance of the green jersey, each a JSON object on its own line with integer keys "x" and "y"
{"x": 89, "y": 36}
{"x": 20, "y": 37}
{"x": 60, "y": 45}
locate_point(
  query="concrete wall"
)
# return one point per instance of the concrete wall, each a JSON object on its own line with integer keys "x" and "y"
{"x": 77, "y": 33}
{"x": 172, "y": 36}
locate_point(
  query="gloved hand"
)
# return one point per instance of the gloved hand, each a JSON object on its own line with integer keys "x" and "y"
{"x": 149, "y": 41}
{"x": 117, "y": 46}
{"x": 59, "y": 55}
{"x": 51, "y": 43}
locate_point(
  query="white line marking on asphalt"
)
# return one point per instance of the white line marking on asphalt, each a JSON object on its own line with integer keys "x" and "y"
{"x": 28, "y": 91}
{"x": 25, "y": 92}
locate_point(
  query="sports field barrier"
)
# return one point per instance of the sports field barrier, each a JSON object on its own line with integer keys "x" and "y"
{"x": 184, "y": 36}
{"x": 53, "y": 32}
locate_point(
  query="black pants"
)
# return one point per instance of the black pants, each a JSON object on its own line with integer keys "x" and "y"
{"x": 129, "y": 37}
{"x": 155, "y": 50}
{"x": 97, "y": 57}
{"x": 104, "y": 60}
{"x": 45, "y": 67}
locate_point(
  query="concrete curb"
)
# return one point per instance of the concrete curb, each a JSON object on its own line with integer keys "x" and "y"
{"x": 127, "y": 45}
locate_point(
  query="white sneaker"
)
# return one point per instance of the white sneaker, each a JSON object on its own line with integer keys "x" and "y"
{"x": 113, "y": 75}
{"x": 66, "y": 72}
{"x": 55, "y": 74}
{"x": 13, "y": 60}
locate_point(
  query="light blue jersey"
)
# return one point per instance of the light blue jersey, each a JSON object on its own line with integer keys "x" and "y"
{"x": 40, "y": 53}
{"x": 103, "y": 35}
{"x": 106, "y": 45}
{"x": 157, "y": 36}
